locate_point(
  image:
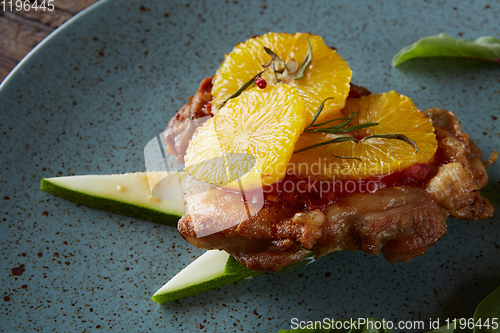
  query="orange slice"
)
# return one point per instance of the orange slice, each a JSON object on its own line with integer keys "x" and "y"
{"x": 395, "y": 114}
{"x": 250, "y": 139}
{"x": 328, "y": 75}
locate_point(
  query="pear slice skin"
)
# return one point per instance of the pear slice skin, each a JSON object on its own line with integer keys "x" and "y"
{"x": 127, "y": 194}
{"x": 211, "y": 270}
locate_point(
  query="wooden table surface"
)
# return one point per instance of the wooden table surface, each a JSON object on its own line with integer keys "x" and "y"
{"x": 21, "y": 31}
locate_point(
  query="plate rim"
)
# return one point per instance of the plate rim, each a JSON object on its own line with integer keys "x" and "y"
{"x": 54, "y": 34}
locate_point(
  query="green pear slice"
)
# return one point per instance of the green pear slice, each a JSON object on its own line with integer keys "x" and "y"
{"x": 156, "y": 197}
{"x": 211, "y": 270}
{"x": 152, "y": 196}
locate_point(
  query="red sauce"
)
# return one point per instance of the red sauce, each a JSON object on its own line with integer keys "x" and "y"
{"x": 312, "y": 195}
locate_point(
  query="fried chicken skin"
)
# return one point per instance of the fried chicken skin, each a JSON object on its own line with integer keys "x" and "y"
{"x": 401, "y": 219}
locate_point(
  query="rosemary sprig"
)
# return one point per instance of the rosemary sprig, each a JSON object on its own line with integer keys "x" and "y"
{"x": 338, "y": 130}
{"x": 350, "y": 138}
{"x": 336, "y": 140}
{"x": 318, "y": 113}
{"x": 274, "y": 57}
{"x": 242, "y": 88}
{"x": 343, "y": 128}
{"x": 307, "y": 61}
{"x": 330, "y": 121}
{"x": 393, "y": 136}
{"x": 348, "y": 157}
{"x": 345, "y": 123}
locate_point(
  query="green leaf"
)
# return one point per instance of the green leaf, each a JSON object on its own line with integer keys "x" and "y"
{"x": 443, "y": 45}
{"x": 488, "y": 311}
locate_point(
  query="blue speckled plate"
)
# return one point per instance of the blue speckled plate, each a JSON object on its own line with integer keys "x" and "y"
{"x": 89, "y": 98}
